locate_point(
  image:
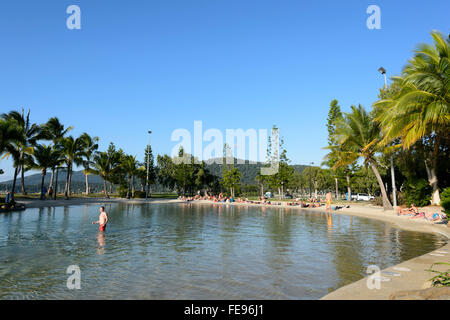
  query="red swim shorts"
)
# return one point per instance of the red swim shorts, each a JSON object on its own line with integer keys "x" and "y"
{"x": 102, "y": 227}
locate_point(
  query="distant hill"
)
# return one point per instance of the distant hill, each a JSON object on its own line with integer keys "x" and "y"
{"x": 249, "y": 171}
{"x": 33, "y": 181}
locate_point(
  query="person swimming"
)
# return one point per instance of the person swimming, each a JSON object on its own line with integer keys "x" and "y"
{"x": 102, "y": 219}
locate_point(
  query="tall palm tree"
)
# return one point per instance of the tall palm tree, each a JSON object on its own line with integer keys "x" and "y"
{"x": 54, "y": 130}
{"x": 44, "y": 157}
{"x": 90, "y": 146}
{"x": 102, "y": 167}
{"x": 357, "y": 135}
{"x": 9, "y": 134}
{"x": 10, "y": 138}
{"x": 130, "y": 165}
{"x": 420, "y": 110}
{"x": 72, "y": 150}
{"x": 30, "y": 133}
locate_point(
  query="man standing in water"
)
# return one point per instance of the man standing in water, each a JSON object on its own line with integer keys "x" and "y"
{"x": 102, "y": 219}
{"x": 328, "y": 198}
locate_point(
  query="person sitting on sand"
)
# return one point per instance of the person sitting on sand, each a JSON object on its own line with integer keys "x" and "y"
{"x": 102, "y": 219}
{"x": 414, "y": 209}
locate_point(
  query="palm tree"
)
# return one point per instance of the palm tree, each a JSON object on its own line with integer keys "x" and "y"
{"x": 420, "y": 110}
{"x": 103, "y": 168}
{"x": 10, "y": 138}
{"x": 9, "y": 134}
{"x": 90, "y": 146}
{"x": 54, "y": 130}
{"x": 44, "y": 157}
{"x": 357, "y": 135}
{"x": 130, "y": 165}
{"x": 30, "y": 133}
{"x": 72, "y": 150}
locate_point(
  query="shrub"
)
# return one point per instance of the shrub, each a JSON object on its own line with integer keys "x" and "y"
{"x": 401, "y": 200}
{"x": 442, "y": 279}
{"x": 377, "y": 201}
{"x": 139, "y": 194}
{"x": 445, "y": 201}
{"x": 417, "y": 191}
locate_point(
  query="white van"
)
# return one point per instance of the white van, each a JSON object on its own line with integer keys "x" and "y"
{"x": 363, "y": 197}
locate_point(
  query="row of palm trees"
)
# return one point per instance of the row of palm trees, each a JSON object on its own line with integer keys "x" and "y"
{"x": 20, "y": 139}
{"x": 414, "y": 111}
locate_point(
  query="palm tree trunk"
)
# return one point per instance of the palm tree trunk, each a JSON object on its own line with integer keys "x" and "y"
{"x": 22, "y": 180}
{"x": 128, "y": 187}
{"x": 56, "y": 184}
{"x": 430, "y": 167}
{"x": 50, "y": 185}
{"x": 70, "y": 182}
{"x": 386, "y": 203}
{"x": 132, "y": 186}
{"x": 87, "y": 184}
{"x": 349, "y": 189}
{"x": 42, "y": 185}
{"x": 337, "y": 188}
{"x": 16, "y": 172}
{"x": 105, "y": 188}
{"x": 67, "y": 189}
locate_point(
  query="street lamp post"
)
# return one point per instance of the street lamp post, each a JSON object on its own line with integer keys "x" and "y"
{"x": 394, "y": 189}
{"x": 310, "y": 179}
{"x": 148, "y": 165}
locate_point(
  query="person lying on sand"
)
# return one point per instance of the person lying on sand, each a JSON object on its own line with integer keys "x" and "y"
{"x": 404, "y": 211}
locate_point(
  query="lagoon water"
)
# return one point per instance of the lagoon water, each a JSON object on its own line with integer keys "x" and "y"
{"x": 181, "y": 251}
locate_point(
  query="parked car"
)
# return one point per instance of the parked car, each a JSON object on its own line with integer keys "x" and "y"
{"x": 268, "y": 195}
{"x": 363, "y": 197}
{"x": 288, "y": 196}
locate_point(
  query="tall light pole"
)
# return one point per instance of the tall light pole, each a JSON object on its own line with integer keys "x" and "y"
{"x": 148, "y": 165}
{"x": 310, "y": 179}
{"x": 394, "y": 189}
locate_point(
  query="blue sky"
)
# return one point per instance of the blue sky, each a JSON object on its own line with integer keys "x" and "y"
{"x": 136, "y": 65}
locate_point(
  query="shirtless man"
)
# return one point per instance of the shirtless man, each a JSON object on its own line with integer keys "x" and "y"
{"x": 102, "y": 219}
{"x": 328, "y": 197}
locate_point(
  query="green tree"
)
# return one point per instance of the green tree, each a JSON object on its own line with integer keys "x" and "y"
{"x": 358, "y": 136}
{"x": 10, "y": 136}
{"x": 334, "y": 116}
{"x": 420, "y": 110}
{"x": 72, "y": 151}
{"x": 103, "y": 168}
{"x": 53, "y": 130}
{"x": 44, "y": 157}
{"x": 130, "y": 165}
{"x": 90, "y": 146}
{"x": 166, "y": 171}
{"x": 29, "y": 133}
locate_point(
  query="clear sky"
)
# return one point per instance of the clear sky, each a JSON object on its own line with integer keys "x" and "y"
{"x": 160, "y": 65}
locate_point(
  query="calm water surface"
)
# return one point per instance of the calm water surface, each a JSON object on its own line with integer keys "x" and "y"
{"x": 179, "y": 251}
